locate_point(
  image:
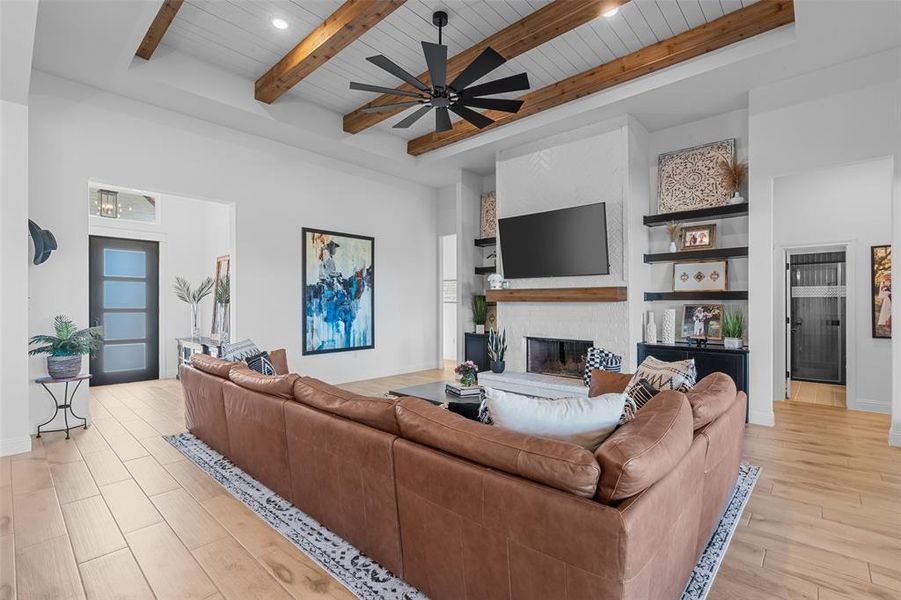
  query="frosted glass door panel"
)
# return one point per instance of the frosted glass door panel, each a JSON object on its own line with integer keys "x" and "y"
{"x": 124, "y": 263}
{"x": 124, "y": 357}
{"x": 124, "y": 294}
{"x": 124, "y": 325}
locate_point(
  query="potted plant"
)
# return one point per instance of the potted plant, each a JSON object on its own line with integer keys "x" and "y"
{"x": 468, "y": 373}
{"x": 734, "y": 173}
{"x": 186, "y": 294}
{"x": 479, "y": 312}
{"x": 65, "y": 349}
{"x": 733, "y": 329}
{"x": 497, "y": 349}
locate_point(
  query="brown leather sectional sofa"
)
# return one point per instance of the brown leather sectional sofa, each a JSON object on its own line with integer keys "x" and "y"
{"x": 468, "y": 511}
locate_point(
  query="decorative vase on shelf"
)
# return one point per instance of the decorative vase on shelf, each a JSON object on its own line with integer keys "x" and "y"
{"x": 736, "y": 198}
{"x": 650, "y": 331}
{"x": 669, "y": 326}
{"x": 672, "y": 247}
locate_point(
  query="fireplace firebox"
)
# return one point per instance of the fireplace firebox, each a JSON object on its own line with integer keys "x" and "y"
{"x": 551, "y": 356}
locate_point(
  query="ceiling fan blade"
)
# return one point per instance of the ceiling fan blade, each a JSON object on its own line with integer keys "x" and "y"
{"x": 477, "y": 119}
{"x": 436, "y": 59}
{"x": 513, "y": 83}
{"x": 510, "y": 106}
{"x": 484, "y": 63}
{"x": 365, "y": 87}
{"x": 389, "y": 65}
{"x": 392, "y": 106}
{"x": 442, "y": 120}
{"x": 412, "y": 117}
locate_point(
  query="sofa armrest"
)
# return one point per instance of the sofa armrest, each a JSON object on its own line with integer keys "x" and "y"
{"x": 279, "y": 360}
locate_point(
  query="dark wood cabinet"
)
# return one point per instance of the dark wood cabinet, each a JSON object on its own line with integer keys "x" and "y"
{"x": 476, "y": 349}
{"x": 711, "y": 359}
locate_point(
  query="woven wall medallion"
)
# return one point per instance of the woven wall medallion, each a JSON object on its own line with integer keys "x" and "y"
{"x": 690, "y": 179}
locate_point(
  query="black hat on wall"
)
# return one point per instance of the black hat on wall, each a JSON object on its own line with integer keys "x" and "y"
{"x": 44, "y": 242}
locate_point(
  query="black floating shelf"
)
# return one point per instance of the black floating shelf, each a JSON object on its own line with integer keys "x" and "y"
{"x": 488, "y": 241}
{"x": 485, "y": 270}
{"x": 717, "y": 212}
{"x": 697, "y": 254}
{"x": 654, "y": 296}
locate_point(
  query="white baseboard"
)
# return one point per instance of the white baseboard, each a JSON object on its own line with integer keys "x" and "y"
{"x": 894, "y": 435}
{"x": 762, "y": 417}
{"x": 16, "y": 445}
{"x": 868, "y": 405}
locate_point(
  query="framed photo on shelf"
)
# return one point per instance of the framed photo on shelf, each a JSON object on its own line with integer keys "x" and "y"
{"x": 702, "y": 321}
{"x": 698, "y": 237}
{"x": 698, "y": 276}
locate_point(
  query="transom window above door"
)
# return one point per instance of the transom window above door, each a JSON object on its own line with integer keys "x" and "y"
{"x": 112, "y": 203}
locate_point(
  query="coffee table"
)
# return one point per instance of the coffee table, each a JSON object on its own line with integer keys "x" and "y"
{"x": 435, "y": 393}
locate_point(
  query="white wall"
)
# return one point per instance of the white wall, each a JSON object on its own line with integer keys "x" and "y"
{"x": 191, "y": 235}
{"x": 729, "y": 232}
{"x": 448, "y": 309}
{"x": 469, "y": 195}
{"x": 799, "y": 219}
{"x": 584, "y": 166}
{"x": 78, "y": 133}
{"x": 839, "y": 115}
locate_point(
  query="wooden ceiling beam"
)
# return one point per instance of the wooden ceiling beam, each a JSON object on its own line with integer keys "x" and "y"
{"x": 158, "y": 28}
{"x": 544, "y": 24}
{"x": 741, "y": 24}
{"x": 340, "y": 29}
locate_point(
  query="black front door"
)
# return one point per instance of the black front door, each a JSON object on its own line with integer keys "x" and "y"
{"x": 124, "y": 299}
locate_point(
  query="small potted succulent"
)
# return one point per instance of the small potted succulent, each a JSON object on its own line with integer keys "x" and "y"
{"x": 479, "y": 312}
{"x": 65, "y": 349}
{"x": 733, "y": 329}
{"x": 468, "y": 373}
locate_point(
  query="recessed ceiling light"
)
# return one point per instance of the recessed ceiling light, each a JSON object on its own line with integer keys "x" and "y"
{"x": 610, "y": 12}
{"x": 279, "y": 23}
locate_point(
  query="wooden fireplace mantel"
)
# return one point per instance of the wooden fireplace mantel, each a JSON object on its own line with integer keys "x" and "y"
{"x": 582, "y": 294}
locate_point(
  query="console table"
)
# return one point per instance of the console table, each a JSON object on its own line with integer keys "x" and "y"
{"x": 202, "y": 345}
{"x": 709, "y": 359}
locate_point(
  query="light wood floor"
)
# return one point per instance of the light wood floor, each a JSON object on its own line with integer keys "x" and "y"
{"x": 824, "y": 394}
{"x": 118, "y": 513}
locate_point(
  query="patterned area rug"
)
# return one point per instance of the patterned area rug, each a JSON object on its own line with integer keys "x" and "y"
{"x": 368, "y": 580}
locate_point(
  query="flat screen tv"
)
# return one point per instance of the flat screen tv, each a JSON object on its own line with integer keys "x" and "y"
{"x": 556, "y": 243}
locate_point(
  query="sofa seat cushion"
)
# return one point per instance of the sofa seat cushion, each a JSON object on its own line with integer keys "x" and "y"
{"x": 645, "y": 449}
{"x": 585, "y": 422}
{"x": 212, "y": 365}
{"x": 710, "y": 398}
{"x": 554, "y": 463}
{"x": 281, "y": 386}
{"x": 375, "y": 412}
{"x": 607, "y": 382}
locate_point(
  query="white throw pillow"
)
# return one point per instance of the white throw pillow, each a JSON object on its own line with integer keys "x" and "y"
{"x": 583, "y": 421}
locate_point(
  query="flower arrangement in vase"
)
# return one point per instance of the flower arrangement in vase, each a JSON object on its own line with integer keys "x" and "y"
{"x": 468, "y": 373}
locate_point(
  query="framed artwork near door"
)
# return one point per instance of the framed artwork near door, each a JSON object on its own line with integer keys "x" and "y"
{"x": 338, "y": 291}
{"x": 881, "y": 283}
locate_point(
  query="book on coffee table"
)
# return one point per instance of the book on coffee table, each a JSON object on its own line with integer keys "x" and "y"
{"x": 463, "y": 391}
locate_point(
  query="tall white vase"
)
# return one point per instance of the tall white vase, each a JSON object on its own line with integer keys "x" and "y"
{"x": 669, "y": 326}
{"x": 650, "y": 331}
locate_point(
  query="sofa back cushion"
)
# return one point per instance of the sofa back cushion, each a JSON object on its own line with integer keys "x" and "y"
{"x": 554, "y": 463}
{"x": 279, "y": 360}
{"x": 281, "y": 386}
{"x": 212, "y": 365}
{"x": 710, "y": 398}
{"x": 645, "y": 449}
{"x": 375, "y": 412}
{"x": 607, "y": 382}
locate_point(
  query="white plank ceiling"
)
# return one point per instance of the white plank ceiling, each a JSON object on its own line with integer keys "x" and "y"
{"x": 238, "y": 36}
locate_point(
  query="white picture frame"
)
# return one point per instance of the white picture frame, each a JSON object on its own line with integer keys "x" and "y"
{"x": 701, "y": 276}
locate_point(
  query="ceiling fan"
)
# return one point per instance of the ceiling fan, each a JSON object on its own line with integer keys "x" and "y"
{"x": 456, "y": 97}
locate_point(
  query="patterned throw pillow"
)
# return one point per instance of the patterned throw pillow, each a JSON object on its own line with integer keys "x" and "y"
{"x": 240, "y": 350}
{"x": 261, "y": 363}
{"x": 640, "y": 395}
{"x": 598, "y": 358}
{"x": 680, "y": 375}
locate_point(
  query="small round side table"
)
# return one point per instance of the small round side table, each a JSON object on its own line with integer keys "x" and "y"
{"x": 67, "y": 401}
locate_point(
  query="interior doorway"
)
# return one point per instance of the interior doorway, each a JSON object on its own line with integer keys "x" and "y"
{"x": 124, "y": 300}
{"x": 817, "y": 326}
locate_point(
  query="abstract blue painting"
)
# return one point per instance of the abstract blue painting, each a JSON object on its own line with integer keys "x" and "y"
{"x": 338, "y": 291}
